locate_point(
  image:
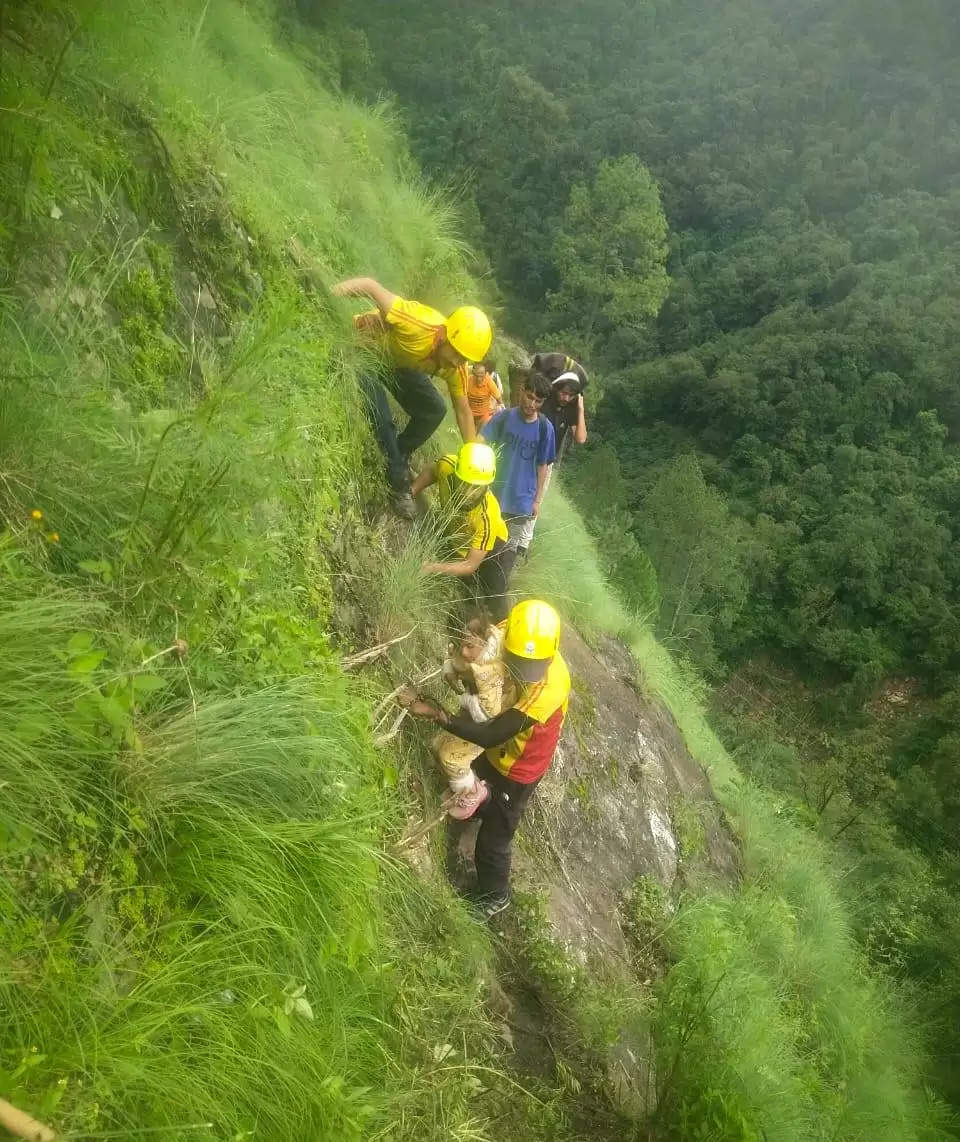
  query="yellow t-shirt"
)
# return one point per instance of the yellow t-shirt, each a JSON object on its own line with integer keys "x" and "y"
{"x": 483, "y": 524}
{"x": 413, "y": 332}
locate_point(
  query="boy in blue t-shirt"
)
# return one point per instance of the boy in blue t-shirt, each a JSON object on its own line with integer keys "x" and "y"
{"x": 525, "y": 444}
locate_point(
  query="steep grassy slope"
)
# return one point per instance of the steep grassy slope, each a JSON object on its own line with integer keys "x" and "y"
{"x": 201, "y": 935}
{"x": 768, "y": 1023}
{"x": 203, "y": 932}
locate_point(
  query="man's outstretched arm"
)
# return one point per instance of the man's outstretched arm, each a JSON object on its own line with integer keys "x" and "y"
{"x": 461, "y": 409}
{"x": 381, "y": 297}
{"x": 466, "y": 566}
{"x": 426, "y": 478}
{"x": 488, "y": 734}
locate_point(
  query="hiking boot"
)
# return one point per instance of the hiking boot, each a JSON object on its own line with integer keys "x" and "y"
{"x": 486, "y": 907}
{"x": 463, "y": 805}
{"x": 404, "y": 505}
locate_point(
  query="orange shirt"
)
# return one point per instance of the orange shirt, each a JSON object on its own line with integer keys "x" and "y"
{"x": 483, "y": 397}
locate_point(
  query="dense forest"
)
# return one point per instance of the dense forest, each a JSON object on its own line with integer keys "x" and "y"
{"x": 225, "y": 909}
{"x": 807, "y": 158}
{"x": 743, "y": 218}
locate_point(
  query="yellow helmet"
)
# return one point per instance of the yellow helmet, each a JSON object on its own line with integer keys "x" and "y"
{"x": 531, "y": 639}
{"x": 476, "y": 463}
{"x": 468, "y": 331}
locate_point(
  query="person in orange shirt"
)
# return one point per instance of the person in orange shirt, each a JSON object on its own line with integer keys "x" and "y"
{"x": 482, "y": 394}
{"x": 419, "y": 343}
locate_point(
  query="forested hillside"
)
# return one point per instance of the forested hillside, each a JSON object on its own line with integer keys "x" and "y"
{"x": 773, "y": 472}
{"x": 808, "y": 158}
{"x": 213, "y": 922}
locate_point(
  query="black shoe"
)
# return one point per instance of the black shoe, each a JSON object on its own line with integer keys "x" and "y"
{"x": 404, "y": 504}
{"x": 486, "y": 907}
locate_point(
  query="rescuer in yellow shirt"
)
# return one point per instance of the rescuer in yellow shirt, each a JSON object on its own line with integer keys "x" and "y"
{"x": 474, "y": 523}
{"x": 519, "y": 743}
{"x": 419, "y": 343}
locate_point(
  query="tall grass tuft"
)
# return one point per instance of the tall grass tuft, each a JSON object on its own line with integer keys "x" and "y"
{"x": 280, "y": 752}
{"x": 45, "y": 750}
{"x": 770, "y": 1022}
{"x": 563, "y": 568}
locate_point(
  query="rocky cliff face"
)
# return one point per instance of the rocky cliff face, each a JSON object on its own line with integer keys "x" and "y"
{"x": 624, "y": 800}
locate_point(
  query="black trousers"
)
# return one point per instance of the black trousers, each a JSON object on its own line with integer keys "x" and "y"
{"x": 507, "y": 562}
{"x": 488, "y": 584}
{"x": 500, "y": 816}
{"x": 417, "y": 395}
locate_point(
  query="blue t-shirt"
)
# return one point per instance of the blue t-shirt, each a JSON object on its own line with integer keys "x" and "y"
{"x": 521, "y": 447}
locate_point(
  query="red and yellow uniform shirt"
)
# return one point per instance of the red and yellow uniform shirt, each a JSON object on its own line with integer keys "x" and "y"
{"x": 412, "y": 333}
{"x": 482, "y": 525}
{"x": 527, "y": 756}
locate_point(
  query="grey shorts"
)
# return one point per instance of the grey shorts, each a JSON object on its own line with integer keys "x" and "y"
{"x": 520, "y": 530}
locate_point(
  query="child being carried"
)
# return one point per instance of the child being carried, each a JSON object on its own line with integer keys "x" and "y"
{"x": 476, "y": 671}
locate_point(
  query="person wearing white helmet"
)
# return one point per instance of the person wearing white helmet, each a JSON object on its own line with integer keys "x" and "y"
{"x": 564, "y": 409}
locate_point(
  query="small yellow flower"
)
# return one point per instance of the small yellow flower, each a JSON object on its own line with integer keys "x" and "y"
{"x": 53, "y": 536}
{"x": 36, "y": 514}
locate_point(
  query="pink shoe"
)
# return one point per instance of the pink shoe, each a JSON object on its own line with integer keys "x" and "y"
{"x": 462, "y": 806}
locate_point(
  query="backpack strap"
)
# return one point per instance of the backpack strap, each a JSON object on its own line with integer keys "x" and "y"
{"x": 498, "y": 423}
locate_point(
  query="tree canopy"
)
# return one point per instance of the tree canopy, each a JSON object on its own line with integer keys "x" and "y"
{"x": 807, "y": 158}
{"x": 773, "y": 470}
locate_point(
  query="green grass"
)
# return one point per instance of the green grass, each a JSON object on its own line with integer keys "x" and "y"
{"x": 223, "y": 857}
{"x": 199, "y": 924}
{"x": 769, "y": 1023}
{"x": 201, "y": 935}
{"x": 563, "y": 569}
{"x": 770, "y": 1020}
